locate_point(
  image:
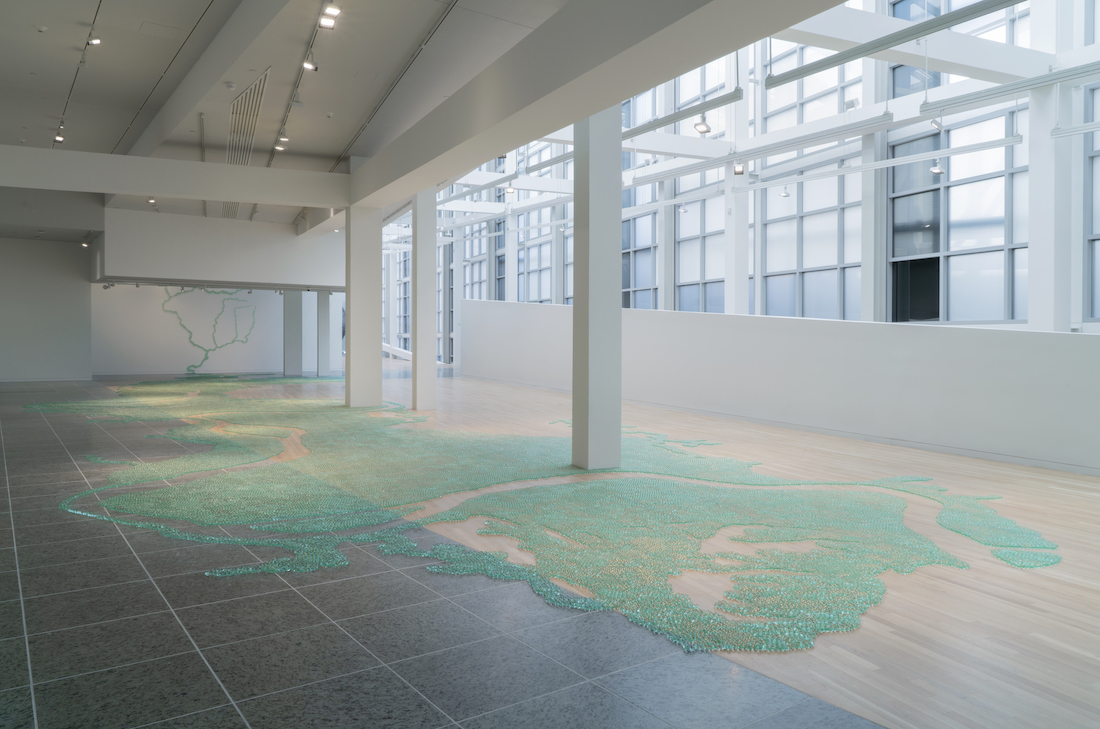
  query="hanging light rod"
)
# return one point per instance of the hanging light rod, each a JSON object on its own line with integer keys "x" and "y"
{"x": 886, "y": 42}
{"x": 701, "y": 108}
{"x": 985, "y": 97}
{"x": 1059, "y": 132}
{"x": 937, "y": 154}
{"x": 750, "y": 152}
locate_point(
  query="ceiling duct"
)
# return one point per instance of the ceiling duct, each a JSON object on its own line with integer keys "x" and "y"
{"x": 244, "y": 115}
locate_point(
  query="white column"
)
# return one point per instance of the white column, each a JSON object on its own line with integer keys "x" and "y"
{"x": 666, "y": 246}
{"x": 511, "y": 255}
{"x": 292, "y": 334}
{"x": 873, "y": 266}
{"x": 736, "y": 203}
{"x": 597, "y": 296}
{"x": 363, "y": 308}
{"x": 323, "y": 346}
{"x": 1049, "y": 191}
{"x": 422, "y": 300}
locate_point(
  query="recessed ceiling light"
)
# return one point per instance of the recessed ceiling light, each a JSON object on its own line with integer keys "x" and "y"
{"x": 332, "y": 9}
{"x": 327, "y": 22}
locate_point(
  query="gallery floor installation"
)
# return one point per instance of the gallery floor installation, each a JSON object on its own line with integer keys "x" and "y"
{"x": 264, "y": 489}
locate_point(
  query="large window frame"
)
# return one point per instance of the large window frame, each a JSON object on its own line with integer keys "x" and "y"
{"x": 1013, "y": 174}
{"x": 808, "y": 271}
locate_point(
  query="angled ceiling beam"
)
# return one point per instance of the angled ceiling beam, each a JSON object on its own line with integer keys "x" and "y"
{"x": 243, "y": 27}
{"x": 52, "y": 169}
{"x": 587, "y": 57}
{"x": 912, "y": 31}
{"x": 844, "y": 28}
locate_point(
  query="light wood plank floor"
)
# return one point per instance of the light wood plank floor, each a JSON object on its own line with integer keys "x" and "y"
{"x": 992, "y": 646}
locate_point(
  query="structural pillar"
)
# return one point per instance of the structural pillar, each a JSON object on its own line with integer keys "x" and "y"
{"x": 873, "y": 305}
{"x": 422, "y": 300}
{"x": 1050, "y": 191}
{"x": 736, "y": 202}
{"x": 363, "y": 308}
{"x": 597, "y": 296}
{"x": 292, "y": 334}
{"x": 324, "y": 347}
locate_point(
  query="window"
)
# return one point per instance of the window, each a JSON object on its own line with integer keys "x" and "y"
{"x": 402, "y": 290}
{"x": 640, "y": 262}
{"x": 812, "y": 248}
{"x": 958, "y": 248}
{"x": 700, "y": 255}
{"x": 821, "y": 95}
{"x": 534, "y": 274}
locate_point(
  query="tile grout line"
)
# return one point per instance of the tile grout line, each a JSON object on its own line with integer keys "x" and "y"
{"x": 19, "y": 581}
{"x": 159, "y": 592}
{"x": 586, "y": 679}
{"x": 356, "y": 640}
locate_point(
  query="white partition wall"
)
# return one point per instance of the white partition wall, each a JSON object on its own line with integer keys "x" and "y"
{"x": 1021, "y": 396}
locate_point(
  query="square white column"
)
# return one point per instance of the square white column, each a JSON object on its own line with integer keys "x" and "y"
{"x": 292, "y": 334}
{"x": 422, "y": 300}
{"x": 1050, "y": 191}
{"x": 363, "y": 308}
{"x": 597, "y": 294}
{"x": 323, "y": 365}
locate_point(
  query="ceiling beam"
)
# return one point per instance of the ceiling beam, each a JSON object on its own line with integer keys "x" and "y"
{"x": 243, "y": 27}
{"x": 588, "y": 56}
{"x": 53, "y": 169}
{"x": 844, "y": 28}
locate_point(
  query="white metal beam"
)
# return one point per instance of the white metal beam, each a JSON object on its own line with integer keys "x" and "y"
{"x": 613, "y": 49}
{"x": 911, "y": 31}
{"x": 843, "y": 28}
{"x": 53, "y": 169}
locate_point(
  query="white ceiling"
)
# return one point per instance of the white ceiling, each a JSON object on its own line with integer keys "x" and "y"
{"x": 147, "y": 48}
{"x": 150, "y": 45}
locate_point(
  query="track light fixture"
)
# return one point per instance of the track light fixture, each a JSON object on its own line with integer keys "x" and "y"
{"x": 327, "y": 22}
{"x": 936, "y": 169}
{"x": 282, "y": 136}
{"x": 701, "y": 126}
{"x": 739, "y": 168}
{"x": 58, "y": 139}
{"x": 297, "y": 99}
{"x": 938, "y": 124}
{"x": 93, "y": 39}
{"x": 332, "y": 9}
{"x": 309, "y": 64}
{"x": 509, "y": 189}
{"x": 152, "y": 201}
{"x": 683, "y": 209}
{"x": 280, "y": 148}
{"x": 784, "y": 193}
{"x": 83, "y": 245}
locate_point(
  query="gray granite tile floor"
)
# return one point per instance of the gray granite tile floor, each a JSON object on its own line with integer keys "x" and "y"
{"x": 116, "y": 626}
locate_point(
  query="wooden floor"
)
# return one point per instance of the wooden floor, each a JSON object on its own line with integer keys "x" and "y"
{"x": 992, "y": 646}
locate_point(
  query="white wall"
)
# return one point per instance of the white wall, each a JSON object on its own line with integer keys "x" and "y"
{"x": 1023, "y": 396}
{"x": 44, "y": 310}
{"x": 195, "y": 249}
{"x": 133, "y": 334}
